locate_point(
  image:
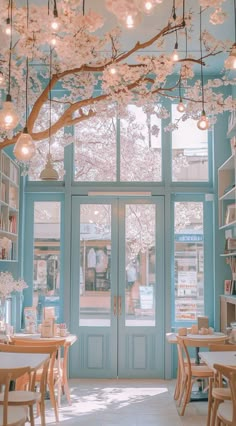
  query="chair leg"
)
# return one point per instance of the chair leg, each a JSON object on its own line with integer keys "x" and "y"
{"x": 210, "y": 402}
{"x": 31, "y": 413}
{"x": 187, "y": 396}
{"x": 67, "y": 391}
{"x": 177, "y": 386}
{"x": 216, "y": 404}
{"x": 53, "y": 401}
{"x": 183, "y": 385}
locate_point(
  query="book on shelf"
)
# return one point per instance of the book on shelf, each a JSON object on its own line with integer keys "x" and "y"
{"x": 3, "y": 192}
{"x": 12, "y": 224}
{"x": 13, "y": 197}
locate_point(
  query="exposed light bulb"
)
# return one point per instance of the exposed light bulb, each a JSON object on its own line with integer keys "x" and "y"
{"x": 112, "y": 70}
{"x": 55, "y": 24}
{"x": 175, "y": 55}
{"x": 130, "y": 21}
{"x": 8, "y": 27}
{"x": 203, "y": 123}
{"x": 148, "y": 7}
{"x": 180, "y": 106}
{"x": 24, "y": 148}
{"x": 1, "y": 78}
{"x": 230, "y": 62}
{"x": 53, "y": 41}
{"x": 8, "y": 116}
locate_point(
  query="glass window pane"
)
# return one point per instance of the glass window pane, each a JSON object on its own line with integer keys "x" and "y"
{"x": 189, "y": 261}
{"x": 140, "y": 264}
{"x": 95, "y": 150}
{"x": 95, "y": 265}
{"x": 140, "y": 146}
{"x": 57, "y": 145}
{"x": 47, "y": 235}
{"x": 189, "y": 151}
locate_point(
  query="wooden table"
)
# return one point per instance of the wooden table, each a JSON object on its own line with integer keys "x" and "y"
{"x": 13, "y": 360}
{"x": 69, "y": 340}
{"x": 227, "y": 358}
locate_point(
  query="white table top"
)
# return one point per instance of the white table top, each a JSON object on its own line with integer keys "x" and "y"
{"x": 17, "y": 360}
{"x": 227, "y": 358}
{"x": 171, "y": 337}
{"x": 70, "y": 338}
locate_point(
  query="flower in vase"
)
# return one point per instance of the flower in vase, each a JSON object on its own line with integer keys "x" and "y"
{"x": 9, "y": 285}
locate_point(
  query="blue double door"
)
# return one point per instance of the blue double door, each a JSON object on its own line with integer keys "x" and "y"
{"x": 117, "y": 294}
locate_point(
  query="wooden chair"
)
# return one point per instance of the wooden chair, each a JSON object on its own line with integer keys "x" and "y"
{"x": 226, "y": 411}
{"x": 60, "y": 369}
{"x": 189, "y": 373}
{"x": 43, "y": 376}
{"x": 10, "y": 414}
{"x": 217, "y": 393}
{"x": 55, "y": 373}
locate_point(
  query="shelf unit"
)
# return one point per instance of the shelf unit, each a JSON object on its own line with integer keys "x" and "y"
{"x": 227, "y": 191}
{"x": 227, "y": 311}
{"x": 9, "y": 208}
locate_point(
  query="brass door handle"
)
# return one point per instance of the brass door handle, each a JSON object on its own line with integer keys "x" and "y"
{"x": 119, "y": 305}
{"x": 115, "y": 305}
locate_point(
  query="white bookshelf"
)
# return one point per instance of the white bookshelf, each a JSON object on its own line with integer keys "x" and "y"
{"x": 9, "y": 208}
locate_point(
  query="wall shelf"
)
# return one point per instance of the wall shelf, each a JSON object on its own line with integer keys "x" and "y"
{"x": 9, "y": 205}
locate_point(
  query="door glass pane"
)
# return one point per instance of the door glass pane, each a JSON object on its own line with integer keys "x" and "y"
{"x": 140, "y": 225}
{"x": 189, "y": 261}
{"x": 140, "y": 146}
{"x": 47, "y": 225}
{"x": 95, "y": 265}
{"x": 189, "y": 151}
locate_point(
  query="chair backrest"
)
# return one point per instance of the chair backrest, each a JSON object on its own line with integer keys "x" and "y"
{"x": 183, "y": 356}
{"x": 230, "y": 374}
{"x": 6, "y": 375}
{"x": 37, "y": 342}
{"x": 221, "y": 348}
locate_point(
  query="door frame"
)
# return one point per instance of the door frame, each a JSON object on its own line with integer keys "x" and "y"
{"x": 154, "y": 336}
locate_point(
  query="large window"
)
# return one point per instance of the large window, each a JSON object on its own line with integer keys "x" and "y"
{"x": 127, "y": 152}
{"x": 189, "y": 151}
{"x": 46, "y": 281}
{"x": 188, "y": 261}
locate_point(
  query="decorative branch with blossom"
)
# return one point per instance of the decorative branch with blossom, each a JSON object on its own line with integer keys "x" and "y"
{"x": 8, "y": 285}
{"x": 91, "y": 70}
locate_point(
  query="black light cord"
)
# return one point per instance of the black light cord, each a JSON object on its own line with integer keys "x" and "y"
{"x": 9, "y": 65}
{"x": 55, "y": 11}
{"x": 203, "y": 102}
{"x": 235, "y": 21}
{"x": 173, "y": 11}
{"x": 186, "y": 42}
{"x": 180, "y": 97}
{"x": 176, "y": 40}
{"x": 83, "y": 7}
{"x": 50, "y": 98}
{"x": 183, "y": 13}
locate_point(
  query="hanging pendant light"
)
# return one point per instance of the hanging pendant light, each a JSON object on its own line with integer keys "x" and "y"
{"x": 8, "y": 115}
{"x": 203, "y": 122}
{"x": 180, "y": 106}
{"x": 175, "y": 55}
{"x": 49, "y": 173}
{"x": 55, "y": 22}
{"x": 24, "y": 148}
{"x": 230, "y": 62}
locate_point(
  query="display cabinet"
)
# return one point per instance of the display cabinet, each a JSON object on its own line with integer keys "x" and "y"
{"x": 9, "y": 208}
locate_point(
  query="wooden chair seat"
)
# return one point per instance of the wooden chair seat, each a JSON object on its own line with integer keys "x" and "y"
{"x": 201, "y": 371}
{"x": 16, "y": 416}
{"x": 217, "y": 393}
{"x": 225, "y": 411}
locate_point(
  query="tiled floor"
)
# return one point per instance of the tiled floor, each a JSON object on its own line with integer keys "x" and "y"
{"x": 125, "y": 403}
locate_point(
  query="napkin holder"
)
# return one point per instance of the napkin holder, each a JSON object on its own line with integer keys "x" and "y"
{"x": 47, "y": 328}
